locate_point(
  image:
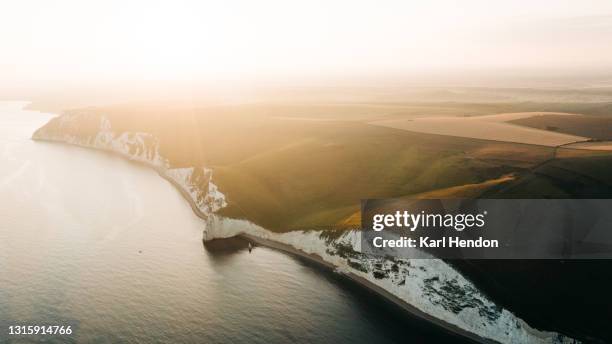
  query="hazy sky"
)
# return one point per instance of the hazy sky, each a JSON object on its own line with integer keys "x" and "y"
{"x": 72, "y": 40}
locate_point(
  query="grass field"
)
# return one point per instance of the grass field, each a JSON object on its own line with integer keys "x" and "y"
{"x": 489, "y": 127}
{"x": 307, "y": 166}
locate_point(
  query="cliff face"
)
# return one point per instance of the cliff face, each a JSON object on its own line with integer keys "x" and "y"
{"x": 95, "y": 132}
{"x": 197, "y": 184}
{"x": 429, "y": 285}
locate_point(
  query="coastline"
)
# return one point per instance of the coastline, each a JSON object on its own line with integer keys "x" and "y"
{"x": 368, "y": 285}
{"x": 423, "y": 297}
{"x": 288, "y": 249}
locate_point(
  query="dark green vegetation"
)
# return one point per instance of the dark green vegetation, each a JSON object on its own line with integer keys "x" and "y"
{"x": 581, "y": 177}
{"x": 571, "y": 296}
{"x": 596, "y": 127}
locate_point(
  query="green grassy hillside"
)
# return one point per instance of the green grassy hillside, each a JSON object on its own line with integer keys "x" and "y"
{"x": 307, "y": 166}
{"x": 581, "y": 177}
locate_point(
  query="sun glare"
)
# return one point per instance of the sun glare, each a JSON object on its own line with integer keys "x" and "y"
{"x": 239, "y": 39}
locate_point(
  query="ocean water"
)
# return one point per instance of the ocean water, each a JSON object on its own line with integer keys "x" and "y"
{"x": 90, "y": 240}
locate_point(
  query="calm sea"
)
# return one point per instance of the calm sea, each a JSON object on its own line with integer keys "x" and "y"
{"x": 108, "y": 247}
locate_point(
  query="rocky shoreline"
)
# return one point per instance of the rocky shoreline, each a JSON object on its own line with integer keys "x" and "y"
{"x": 429, "y": 289}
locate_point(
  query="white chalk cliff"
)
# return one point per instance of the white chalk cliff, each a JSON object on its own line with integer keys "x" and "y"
{"x": 429, "y": 285}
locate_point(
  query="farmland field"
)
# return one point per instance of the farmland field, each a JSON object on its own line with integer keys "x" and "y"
{"x": 491, "y": 127}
